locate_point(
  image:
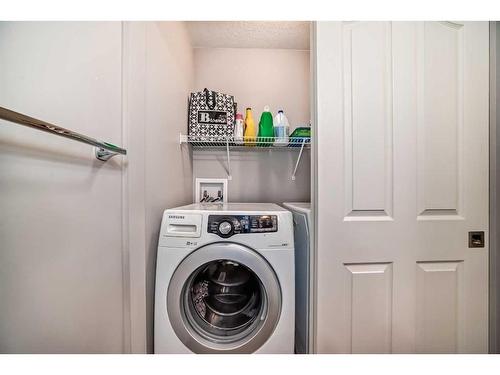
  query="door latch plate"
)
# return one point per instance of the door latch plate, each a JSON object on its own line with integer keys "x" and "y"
{"x": 476, "y": 239}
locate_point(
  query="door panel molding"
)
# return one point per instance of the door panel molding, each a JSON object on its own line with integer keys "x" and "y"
{"x": 368, "y": 124}
{"x": 440, "y": 307}
{"x": 440, "y": 120}
{"x": 370, "y": 302}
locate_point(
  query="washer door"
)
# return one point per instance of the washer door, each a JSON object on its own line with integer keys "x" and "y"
{"x": 224, "y": 298}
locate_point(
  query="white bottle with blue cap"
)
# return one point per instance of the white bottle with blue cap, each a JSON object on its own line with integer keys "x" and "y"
{"x": 281, "y": 129}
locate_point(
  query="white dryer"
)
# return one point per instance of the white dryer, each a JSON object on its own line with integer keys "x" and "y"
{"x": 225, "y": 280}
{"x": 302, "y": 225}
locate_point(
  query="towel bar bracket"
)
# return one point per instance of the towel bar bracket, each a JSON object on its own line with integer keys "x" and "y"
{"x": 103, "y": 154}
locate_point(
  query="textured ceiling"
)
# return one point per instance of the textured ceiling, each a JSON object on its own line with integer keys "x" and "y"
{"x": 250, "y": 34}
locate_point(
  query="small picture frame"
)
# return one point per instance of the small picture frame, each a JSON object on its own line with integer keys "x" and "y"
{"x": 210, "y": 190}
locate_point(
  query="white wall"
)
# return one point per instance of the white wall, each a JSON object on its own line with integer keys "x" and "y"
{"x": 256, "y": 77}
{"x": 168, "y": 168}
{"x": 158, "y": 75}
{"x": 61, "y": 224}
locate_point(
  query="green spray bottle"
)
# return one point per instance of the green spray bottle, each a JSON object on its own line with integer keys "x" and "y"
{"x": 266, "y": 129}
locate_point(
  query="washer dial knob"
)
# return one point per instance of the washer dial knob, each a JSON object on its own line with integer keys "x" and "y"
{"x": 225, "y": 228}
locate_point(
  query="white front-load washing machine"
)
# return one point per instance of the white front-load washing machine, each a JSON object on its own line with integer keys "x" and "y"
{"x": 225, "y": 280}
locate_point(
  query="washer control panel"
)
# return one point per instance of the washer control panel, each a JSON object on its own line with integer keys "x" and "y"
{"x": 225, "y": 226}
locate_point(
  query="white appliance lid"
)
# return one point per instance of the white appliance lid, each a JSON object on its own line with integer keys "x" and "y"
{"x": 232, "y": 207}
{"x": 304, "y": 207}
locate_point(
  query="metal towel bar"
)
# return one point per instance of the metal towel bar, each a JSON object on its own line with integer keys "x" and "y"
{"x": 103, "y": 151}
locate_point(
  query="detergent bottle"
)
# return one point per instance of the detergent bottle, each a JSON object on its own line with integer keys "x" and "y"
{"x": 239, "y": 129}
{"x": 281, "y": 129}
{"x": 266, "y": 130}
{"x": 250, "y": 130}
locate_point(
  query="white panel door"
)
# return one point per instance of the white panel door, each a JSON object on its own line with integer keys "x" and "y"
{"x": 402, "y": 153}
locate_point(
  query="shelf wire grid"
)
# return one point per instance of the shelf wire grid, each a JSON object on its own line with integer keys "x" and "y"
{"x": 246, "y": 143}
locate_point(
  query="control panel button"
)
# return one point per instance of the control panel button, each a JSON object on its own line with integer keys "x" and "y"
{"x": 225, "y": 227}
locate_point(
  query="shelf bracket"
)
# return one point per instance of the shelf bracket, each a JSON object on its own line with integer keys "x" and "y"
{"x": 229, "y": 176}
{"x": 298, "y": 159}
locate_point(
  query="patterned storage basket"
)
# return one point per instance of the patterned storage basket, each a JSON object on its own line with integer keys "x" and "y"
{"x": 211, "y": 115}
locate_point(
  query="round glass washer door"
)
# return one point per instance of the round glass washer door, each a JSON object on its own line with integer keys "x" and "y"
{"x": 224, "y": 298}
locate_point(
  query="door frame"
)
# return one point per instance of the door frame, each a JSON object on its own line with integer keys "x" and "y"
{"x": 494, "y": 204}
{"x": 135, "y": 325}
{"x": 314, "y": 185}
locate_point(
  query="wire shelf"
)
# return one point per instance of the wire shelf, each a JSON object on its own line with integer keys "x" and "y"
{"x": 247, "y": 143}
